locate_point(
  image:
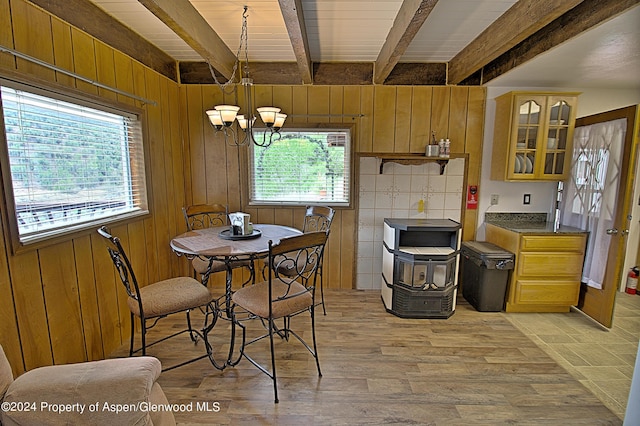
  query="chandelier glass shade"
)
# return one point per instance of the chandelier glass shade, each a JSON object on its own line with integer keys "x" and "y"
{"x": 223, "y": 118}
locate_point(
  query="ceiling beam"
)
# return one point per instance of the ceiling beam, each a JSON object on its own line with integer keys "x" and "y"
{"x": 186, "y": 22}
{"x": 408, "y": 22}
{"x": 294, "y": 20}
{"x": 522, "y": 20}
{"x": 583, "y": 17}
{"x": 96, "y": 22}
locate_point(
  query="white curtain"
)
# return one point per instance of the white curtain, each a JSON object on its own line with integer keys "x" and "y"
{"x": 589, "y": 198}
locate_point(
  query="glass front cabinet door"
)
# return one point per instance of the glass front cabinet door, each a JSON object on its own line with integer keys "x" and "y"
{"x": 533, "y": 136}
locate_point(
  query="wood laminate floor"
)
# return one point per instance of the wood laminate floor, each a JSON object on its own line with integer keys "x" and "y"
{"x": 472, "y": 368}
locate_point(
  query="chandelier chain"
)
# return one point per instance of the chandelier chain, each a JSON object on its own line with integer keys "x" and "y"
{"x": 244, "y": 41}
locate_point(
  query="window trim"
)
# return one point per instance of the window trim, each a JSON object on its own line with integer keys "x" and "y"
{"x": 69, "y": 94}
{"x": 351, "y": 127}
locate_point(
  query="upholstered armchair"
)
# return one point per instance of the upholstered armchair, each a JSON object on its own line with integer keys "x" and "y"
{"x": 85, "y": 393}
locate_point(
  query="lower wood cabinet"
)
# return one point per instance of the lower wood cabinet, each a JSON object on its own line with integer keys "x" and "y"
{"x": 548, "y": 269}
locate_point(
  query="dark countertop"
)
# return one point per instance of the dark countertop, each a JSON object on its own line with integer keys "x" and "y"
{"x": 528, "y": 227}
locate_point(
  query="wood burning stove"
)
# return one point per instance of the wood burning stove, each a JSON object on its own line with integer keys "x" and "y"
{"x": 420, "y": 267}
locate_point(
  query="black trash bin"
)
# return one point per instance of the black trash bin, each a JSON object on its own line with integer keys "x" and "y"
{"x": 484, "y": 274}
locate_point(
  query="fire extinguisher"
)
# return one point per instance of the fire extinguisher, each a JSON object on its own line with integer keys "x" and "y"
{"x": 632, "y": 280}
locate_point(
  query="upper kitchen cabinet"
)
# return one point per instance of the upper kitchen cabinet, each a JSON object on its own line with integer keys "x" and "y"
{"x": 533, "y": 136}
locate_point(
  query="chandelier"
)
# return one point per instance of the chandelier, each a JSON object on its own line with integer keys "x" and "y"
{"x": 223, "y": 117}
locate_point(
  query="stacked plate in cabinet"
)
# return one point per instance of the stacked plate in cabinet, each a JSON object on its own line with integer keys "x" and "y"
{"x": 523, "y": 164}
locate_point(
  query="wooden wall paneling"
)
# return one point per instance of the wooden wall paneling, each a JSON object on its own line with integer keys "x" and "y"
{"x": 458, "y": 117}
{"x": 351, "y": 105}
{"x": 420, "y": 123}
{"x": 318, "y": 104}
{"x": 403, "y": 123}
{"x": 365, "y": 129}
{"x": 185, "y": 142}
{"x": 285, "y": 216}
{"x": 134, "y": 235}
{"x": 300, "y": 105}
{"x": 105, "y": 69}
{"x": 440, "y": 111}
{"x": 219, "y": 155}
{"x": 123, "y": 313}
{"x": 30, "y": 309}
{"x": 137, "y": 252}
{"x": 63, "y": 50}
{"x": 62, "y": 300}
{"x": 25, "y": 17}
{"x": 283, "y": 98}
{"x": 9, "y": 335}
{"x": 195, "y": 124}
{"x": 157, "y": 145}
{"x": 139, "y": 82}
{"x": 123, "y": 66}
{"x": 84, "y": 60}
{"x": 7, "y": 60}
{"x": 336, "y": 104}
{"x": 173, "y": 206}
{"x": 332, "y": 257}
{"x": 146, "y": 233}
{"x": 107, "y": 289}
{"x": 349, "y": 222}
{"x": 177, "y": 173}
{"x": 83, "y": 255}
{"x": 384, "y": 118}
{"x": 473, "y": 147}
{"x": 266, "y": 215}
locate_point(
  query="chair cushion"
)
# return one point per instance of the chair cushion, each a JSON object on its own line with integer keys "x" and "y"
{"x": 201, "y": 265}
{"x": 114, "y": 381}
{"x": 6, "y": 375}
{"x": 160, "y": 417}
{"x": 255, "y": 299}
{"x": 169, "y": 296}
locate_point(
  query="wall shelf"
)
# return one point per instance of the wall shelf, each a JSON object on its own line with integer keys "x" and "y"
{"x": 412, "y": 159}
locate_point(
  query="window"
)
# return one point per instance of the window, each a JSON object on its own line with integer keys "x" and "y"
{"x": 304, "y": 166}
{"x": 73, "y": 163}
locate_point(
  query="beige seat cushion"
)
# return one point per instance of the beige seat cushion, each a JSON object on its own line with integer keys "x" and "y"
{"x": 6, "y": 376}
{"x": 255, "y": 299}
{"x": 168, "y": 296}
{"x": 113, "y": 381}
{"x": 201, "y": 265}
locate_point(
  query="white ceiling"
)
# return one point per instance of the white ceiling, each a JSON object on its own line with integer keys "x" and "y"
{"x": 607, "y": 56}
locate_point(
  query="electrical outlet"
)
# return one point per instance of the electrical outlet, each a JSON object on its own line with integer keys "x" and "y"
{"x": 494, "y": 199}
{"x": 526, "y": 199}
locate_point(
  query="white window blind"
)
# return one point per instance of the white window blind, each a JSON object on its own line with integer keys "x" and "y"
{"x": 72, "y": 165}
{"x": 304, "y": 166}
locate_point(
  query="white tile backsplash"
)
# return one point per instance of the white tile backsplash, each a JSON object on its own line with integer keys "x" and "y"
{"x": 397, "y": 194}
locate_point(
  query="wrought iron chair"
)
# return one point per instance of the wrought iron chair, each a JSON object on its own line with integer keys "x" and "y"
{"x": 282, "y": 295}
{"x": 204, "y": 216}
{"x": 158, "y": 300}
{"x": 319, "y": 218}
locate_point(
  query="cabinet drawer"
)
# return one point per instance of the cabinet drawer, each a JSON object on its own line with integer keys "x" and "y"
{"x": 552, "y": 243}
{"x": 564, "y": 293}
{"x": 550, "y": 264}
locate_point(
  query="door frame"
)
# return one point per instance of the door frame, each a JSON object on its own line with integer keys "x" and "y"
{"x": 599, "y": 303}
